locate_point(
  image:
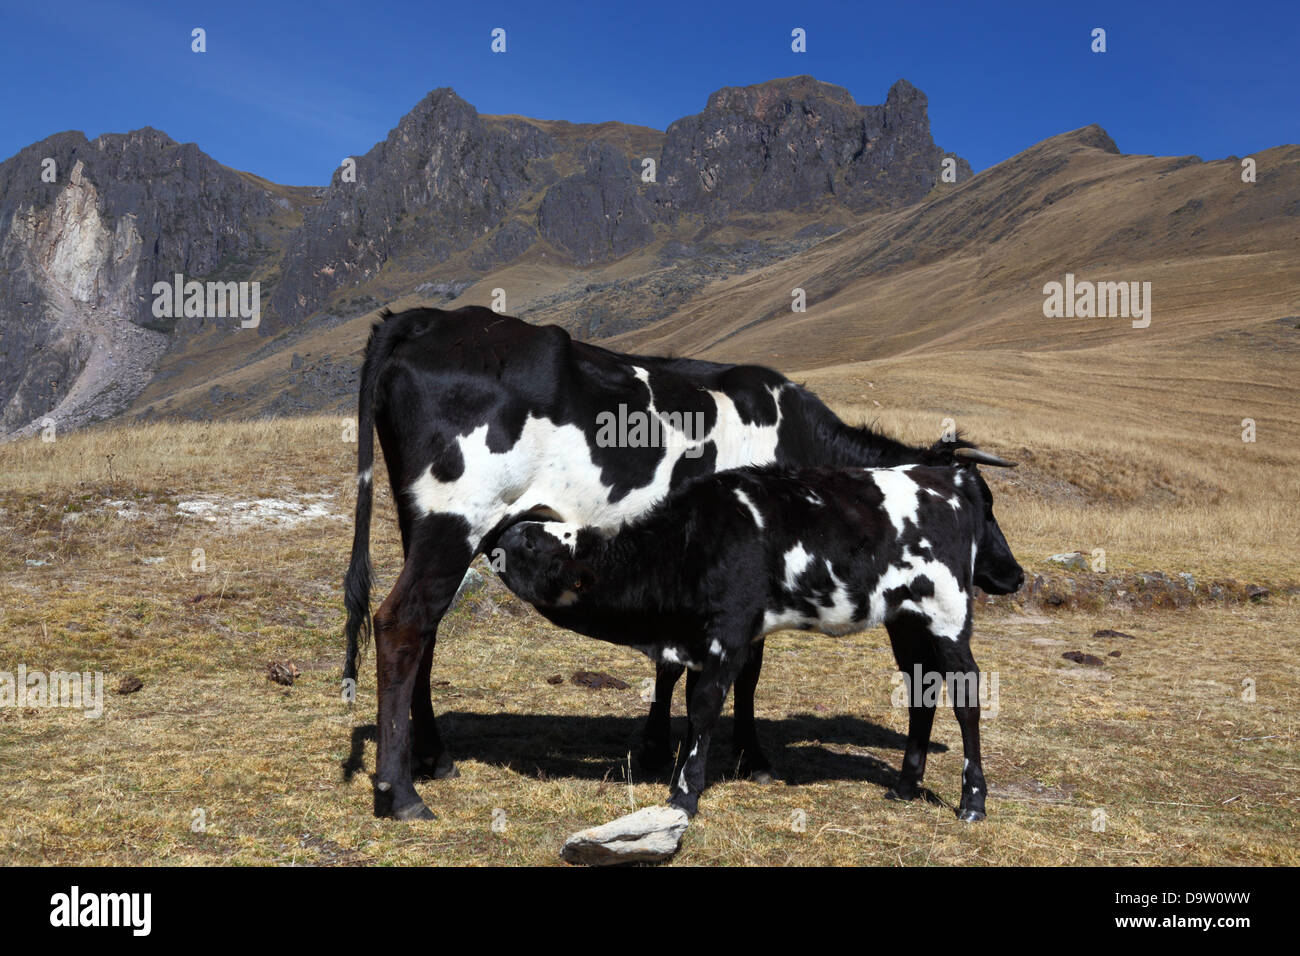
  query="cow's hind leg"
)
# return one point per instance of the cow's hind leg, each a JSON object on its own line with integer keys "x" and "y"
{"x": 751, "y": 762}
{"x": 656, "y": 736}
{"x": 910, "y": 638}
{"x": 406, "y": 625}
{"x": 429, "y": 758}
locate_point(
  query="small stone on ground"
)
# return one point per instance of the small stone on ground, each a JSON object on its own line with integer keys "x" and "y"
{"x": 649, "y": 835}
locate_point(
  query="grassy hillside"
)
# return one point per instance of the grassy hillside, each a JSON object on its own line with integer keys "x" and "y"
{"x": 1129, "y": 442}
{"x": 966, "y": 268}
{"x": 97, "y": 572}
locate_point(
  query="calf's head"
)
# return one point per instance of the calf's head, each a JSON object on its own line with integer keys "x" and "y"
{"x": 996, "y": 568}
{"x": 539, "y": 563}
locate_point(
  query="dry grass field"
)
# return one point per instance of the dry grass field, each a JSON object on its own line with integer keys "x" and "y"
{"x": 1162, "y": 755}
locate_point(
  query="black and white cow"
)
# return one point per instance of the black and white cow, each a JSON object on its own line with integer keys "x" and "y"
{"x": 482, "y": 418}
{"x": 732, "y": 557}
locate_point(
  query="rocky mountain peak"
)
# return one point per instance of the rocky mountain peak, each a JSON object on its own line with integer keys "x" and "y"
{"x": 443, "y": 177}
{"x": 82, "y": 242}
{"x": 906, "y": 106}
{"x": 796, "y": 143}
{"x": 143, "y": 139}
{"x": 773, "y": 98}
{"x": 1091, "y": 136}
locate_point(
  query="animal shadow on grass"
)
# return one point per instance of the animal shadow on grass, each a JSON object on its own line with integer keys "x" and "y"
{"x": 596, "y": 748}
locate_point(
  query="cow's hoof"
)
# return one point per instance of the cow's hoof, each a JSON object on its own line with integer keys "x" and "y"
{"x": 970, "y": 816}
{"x": 414, "y": 811}
{"x": 894, "y": 793}
{"x": 756, "y": 771}
{"x": 436, "y": 768}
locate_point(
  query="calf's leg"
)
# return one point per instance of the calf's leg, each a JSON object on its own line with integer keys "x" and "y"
{"x": 656, "y": 736}
{"x": 910, "y": 638}
{"x": 706, "y": 691}
{"x": 751, "y": 761}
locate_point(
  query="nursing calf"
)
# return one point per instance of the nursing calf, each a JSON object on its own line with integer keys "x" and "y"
{"x": 731, "y": 557}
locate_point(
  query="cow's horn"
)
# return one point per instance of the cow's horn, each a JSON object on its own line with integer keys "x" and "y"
{"x": 982, "y": 457}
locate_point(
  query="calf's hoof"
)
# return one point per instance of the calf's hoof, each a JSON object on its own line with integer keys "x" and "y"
{"x": 901, "y": 793}
{"x": 687, "y": 802}
{"x": 970, "y": 816}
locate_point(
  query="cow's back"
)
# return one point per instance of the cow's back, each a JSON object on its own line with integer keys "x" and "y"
{"x": 481, "y": 415}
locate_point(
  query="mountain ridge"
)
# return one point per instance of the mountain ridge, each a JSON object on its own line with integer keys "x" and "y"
{"x": 446, "y": 197}
{"x": 783, "y": 184}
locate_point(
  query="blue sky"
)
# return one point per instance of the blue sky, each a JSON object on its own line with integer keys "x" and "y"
{"x": 287, "y": 90}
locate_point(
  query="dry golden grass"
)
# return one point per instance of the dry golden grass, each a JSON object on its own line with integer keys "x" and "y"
{"x": 1160, "y": 739}
{"x": 245, "y": 454}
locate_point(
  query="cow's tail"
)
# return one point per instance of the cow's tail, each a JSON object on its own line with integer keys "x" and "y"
{"x": 356, "y": 585}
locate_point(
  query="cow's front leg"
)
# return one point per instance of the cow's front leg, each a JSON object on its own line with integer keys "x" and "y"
{"x": 706, "y": 693}
{"x": 751, "y": 762}
{"x": 656, "y": 737}
{"x": 964, "y": 675}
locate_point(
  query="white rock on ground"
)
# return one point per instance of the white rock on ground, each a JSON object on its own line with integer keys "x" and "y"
{"x": 649, "y": 835}
{"x": 240, "y": 515}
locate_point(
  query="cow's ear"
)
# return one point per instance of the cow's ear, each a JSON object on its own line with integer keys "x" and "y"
{"x": 945, "y": 451}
